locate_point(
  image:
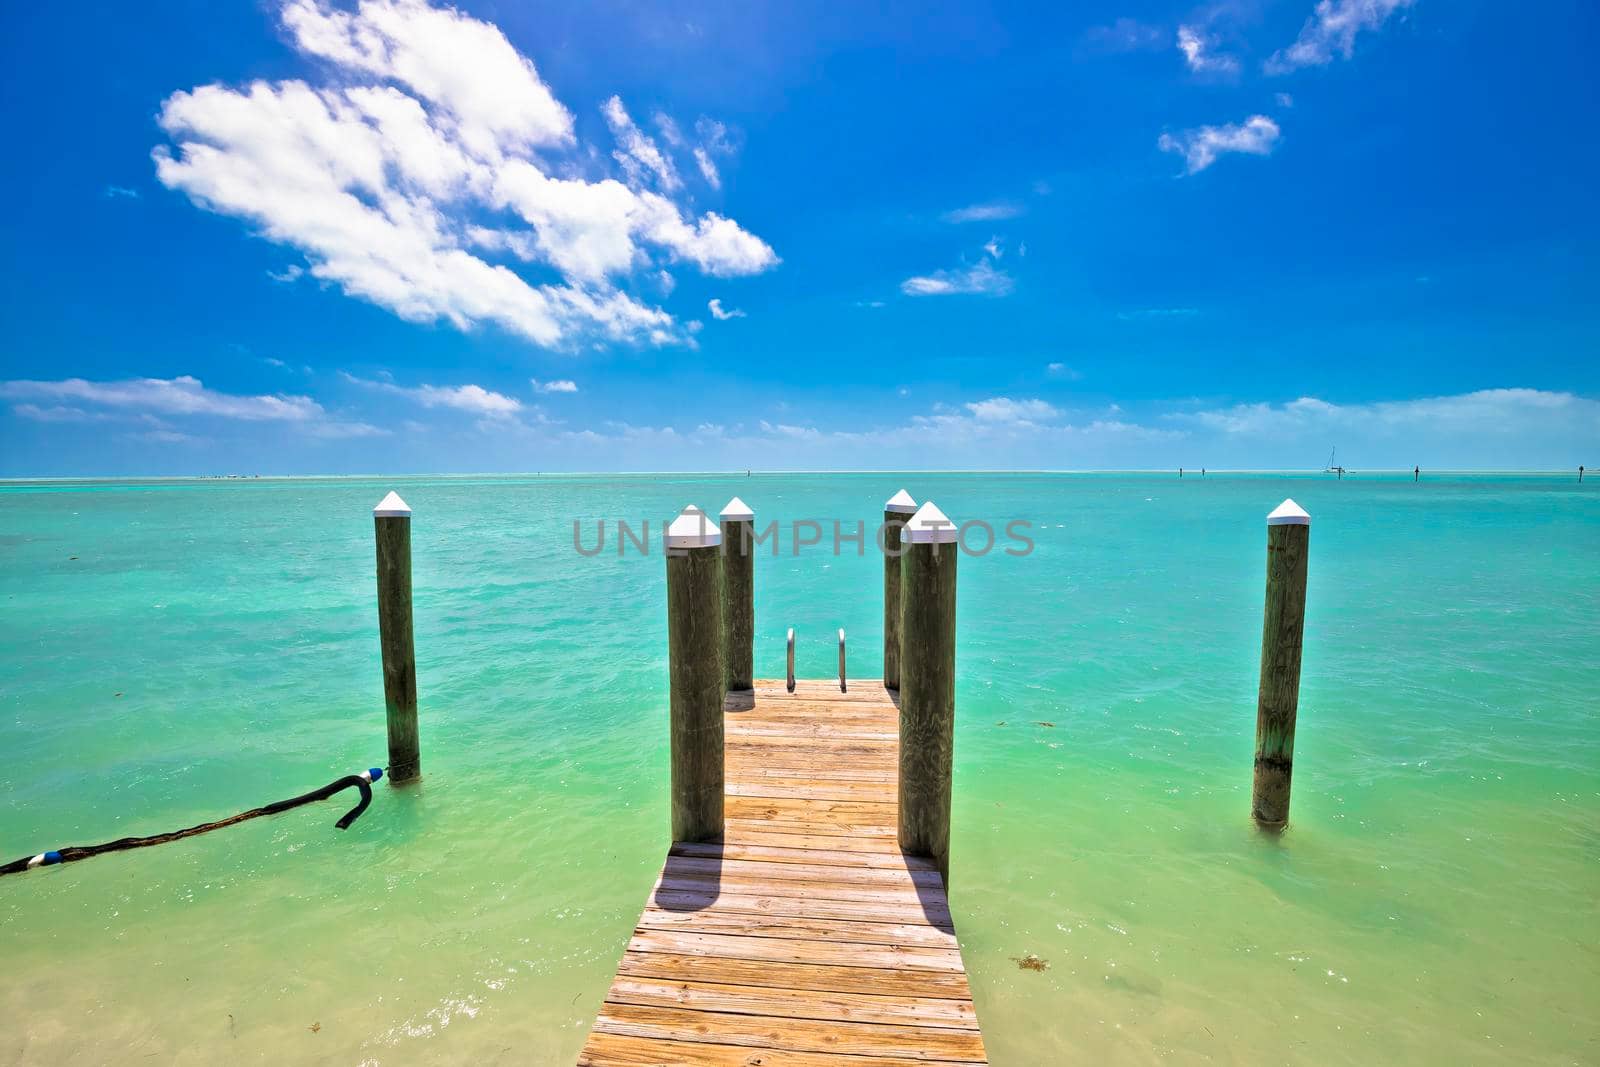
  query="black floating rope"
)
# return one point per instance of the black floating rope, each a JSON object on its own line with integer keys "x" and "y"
{"x": 362, "y": 781}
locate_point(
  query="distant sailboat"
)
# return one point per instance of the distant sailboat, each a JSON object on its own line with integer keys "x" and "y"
{"x": 1333, "y": 468}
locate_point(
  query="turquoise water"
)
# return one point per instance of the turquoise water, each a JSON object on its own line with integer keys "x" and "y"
{"x": 213, "y": 645}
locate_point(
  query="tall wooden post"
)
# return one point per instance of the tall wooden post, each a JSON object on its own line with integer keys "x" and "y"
{"x": 694, "y": 644}
{"x": 896, "y": 511}
{"x": 928, "y": 684}
{"x": 1282, "y": 632}
{"x": 738, "y": 594}
{"x": 392, "y": 530}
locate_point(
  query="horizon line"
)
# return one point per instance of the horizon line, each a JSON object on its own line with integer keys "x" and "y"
{"x": 751, "y": 472}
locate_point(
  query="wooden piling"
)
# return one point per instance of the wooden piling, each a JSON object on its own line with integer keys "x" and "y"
{"x": 896, "y": 511}
{"x": 694, "y": 640}
{"x": 1282, "y": 633}
{"x": 392, "y": 532}
{"x": 738, "y": 594}
{"x": 927, "y": 684}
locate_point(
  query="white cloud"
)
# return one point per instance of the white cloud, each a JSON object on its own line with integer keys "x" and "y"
{"x": 982, "y": 278}
{"x": 1332, "y": 28}
{"x": 1004, "y": 409}
{"x": 669, "y": 129}
{"x": 1157, "y": 313}
{"x": 721, "y": 314}
{"x": 1196, "y": 48}
{"x": 475, "y": 78}
{"x": 473, "y": 399}
{"x": 708, "y": 169}
{"x": 115, "y": 192}
{"x": 1200, "y": 147}
{"x": 183, "y": 395}
{"x": 1489, "y": 429}
{"x": 1125, "y": 35}
{"x": 1504, "y": 428}
{"x": 1488, "y": 411}
{"x": 1061, "y": 370}
{"x": 1285, "y": 100}
{"x": 288, "y": 274}
{"x": 993, "y": 211}
{"x": 58, "y": 413}
{"x": 714, "y": 141}
{"x": 435, "y": 139}
{"x": 637, "y": 153}
{"x": 560, "y": 385}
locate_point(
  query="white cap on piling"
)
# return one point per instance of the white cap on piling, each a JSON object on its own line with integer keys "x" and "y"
{"x": 693, "y": 528}
{"x": 929, "y": 526}
{"x": 392, "y": 507}
{"x": 1288, "y": 513}
{"x": 901, "y": 503}
{"x": 738, "y": 510}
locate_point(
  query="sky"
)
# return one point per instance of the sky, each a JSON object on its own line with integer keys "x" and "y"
{"x": 303, "y": 236}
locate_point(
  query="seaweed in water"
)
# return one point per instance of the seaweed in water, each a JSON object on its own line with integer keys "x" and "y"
{"x": 1031, "y": 962}
{"x": 1047, "y": 725}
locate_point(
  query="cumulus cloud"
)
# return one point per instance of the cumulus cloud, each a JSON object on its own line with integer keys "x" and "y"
{"x": 1332, "y": 30}
{"x": 1196, "y": 48}
{"x": 560, "y": 385}
{"x": 722, "y": 314}
{"x": 993, "y": 211}
{"x": 433, "y": 141}
{"x": 1201, "y": 147}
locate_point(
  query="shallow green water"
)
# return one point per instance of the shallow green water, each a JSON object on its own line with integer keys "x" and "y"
{"x": 213, "y": 646}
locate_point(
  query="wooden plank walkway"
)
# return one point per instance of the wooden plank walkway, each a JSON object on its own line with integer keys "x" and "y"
{"x": 806, "y": 938}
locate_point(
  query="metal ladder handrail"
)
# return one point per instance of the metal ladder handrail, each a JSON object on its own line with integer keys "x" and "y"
{"x": 842, "y": 688}
{"x": 791, "y": 659}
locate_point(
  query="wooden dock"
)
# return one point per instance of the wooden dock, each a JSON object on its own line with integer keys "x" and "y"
{"x": 805, "y": 938}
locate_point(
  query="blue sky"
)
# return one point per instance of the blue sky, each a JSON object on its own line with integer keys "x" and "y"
{"x": 314, "y": 237}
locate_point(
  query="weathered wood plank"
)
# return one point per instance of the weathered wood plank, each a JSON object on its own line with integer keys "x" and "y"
{"x": 803, "y": 872}
{"x": 821, "y": 827}
{"x": 946, "y": 985}
{"x": 752, "y": 733}
{"x": 795, "y": 950}
{"x": 806, "y": 906}
{"x": 897, "y": 861}
{"x": 616, "y": 1050}
{"x": 880, "y": 792}
{"x": 797, "y": 1035}
{"x": 817, "y": 771}
{"x": 849, "y": 931}
{"x": 762, "y": 833}
{"x": 787, "y": 1004}
{"x": 859, "y": 811}
{"x": 820, "y": 888}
